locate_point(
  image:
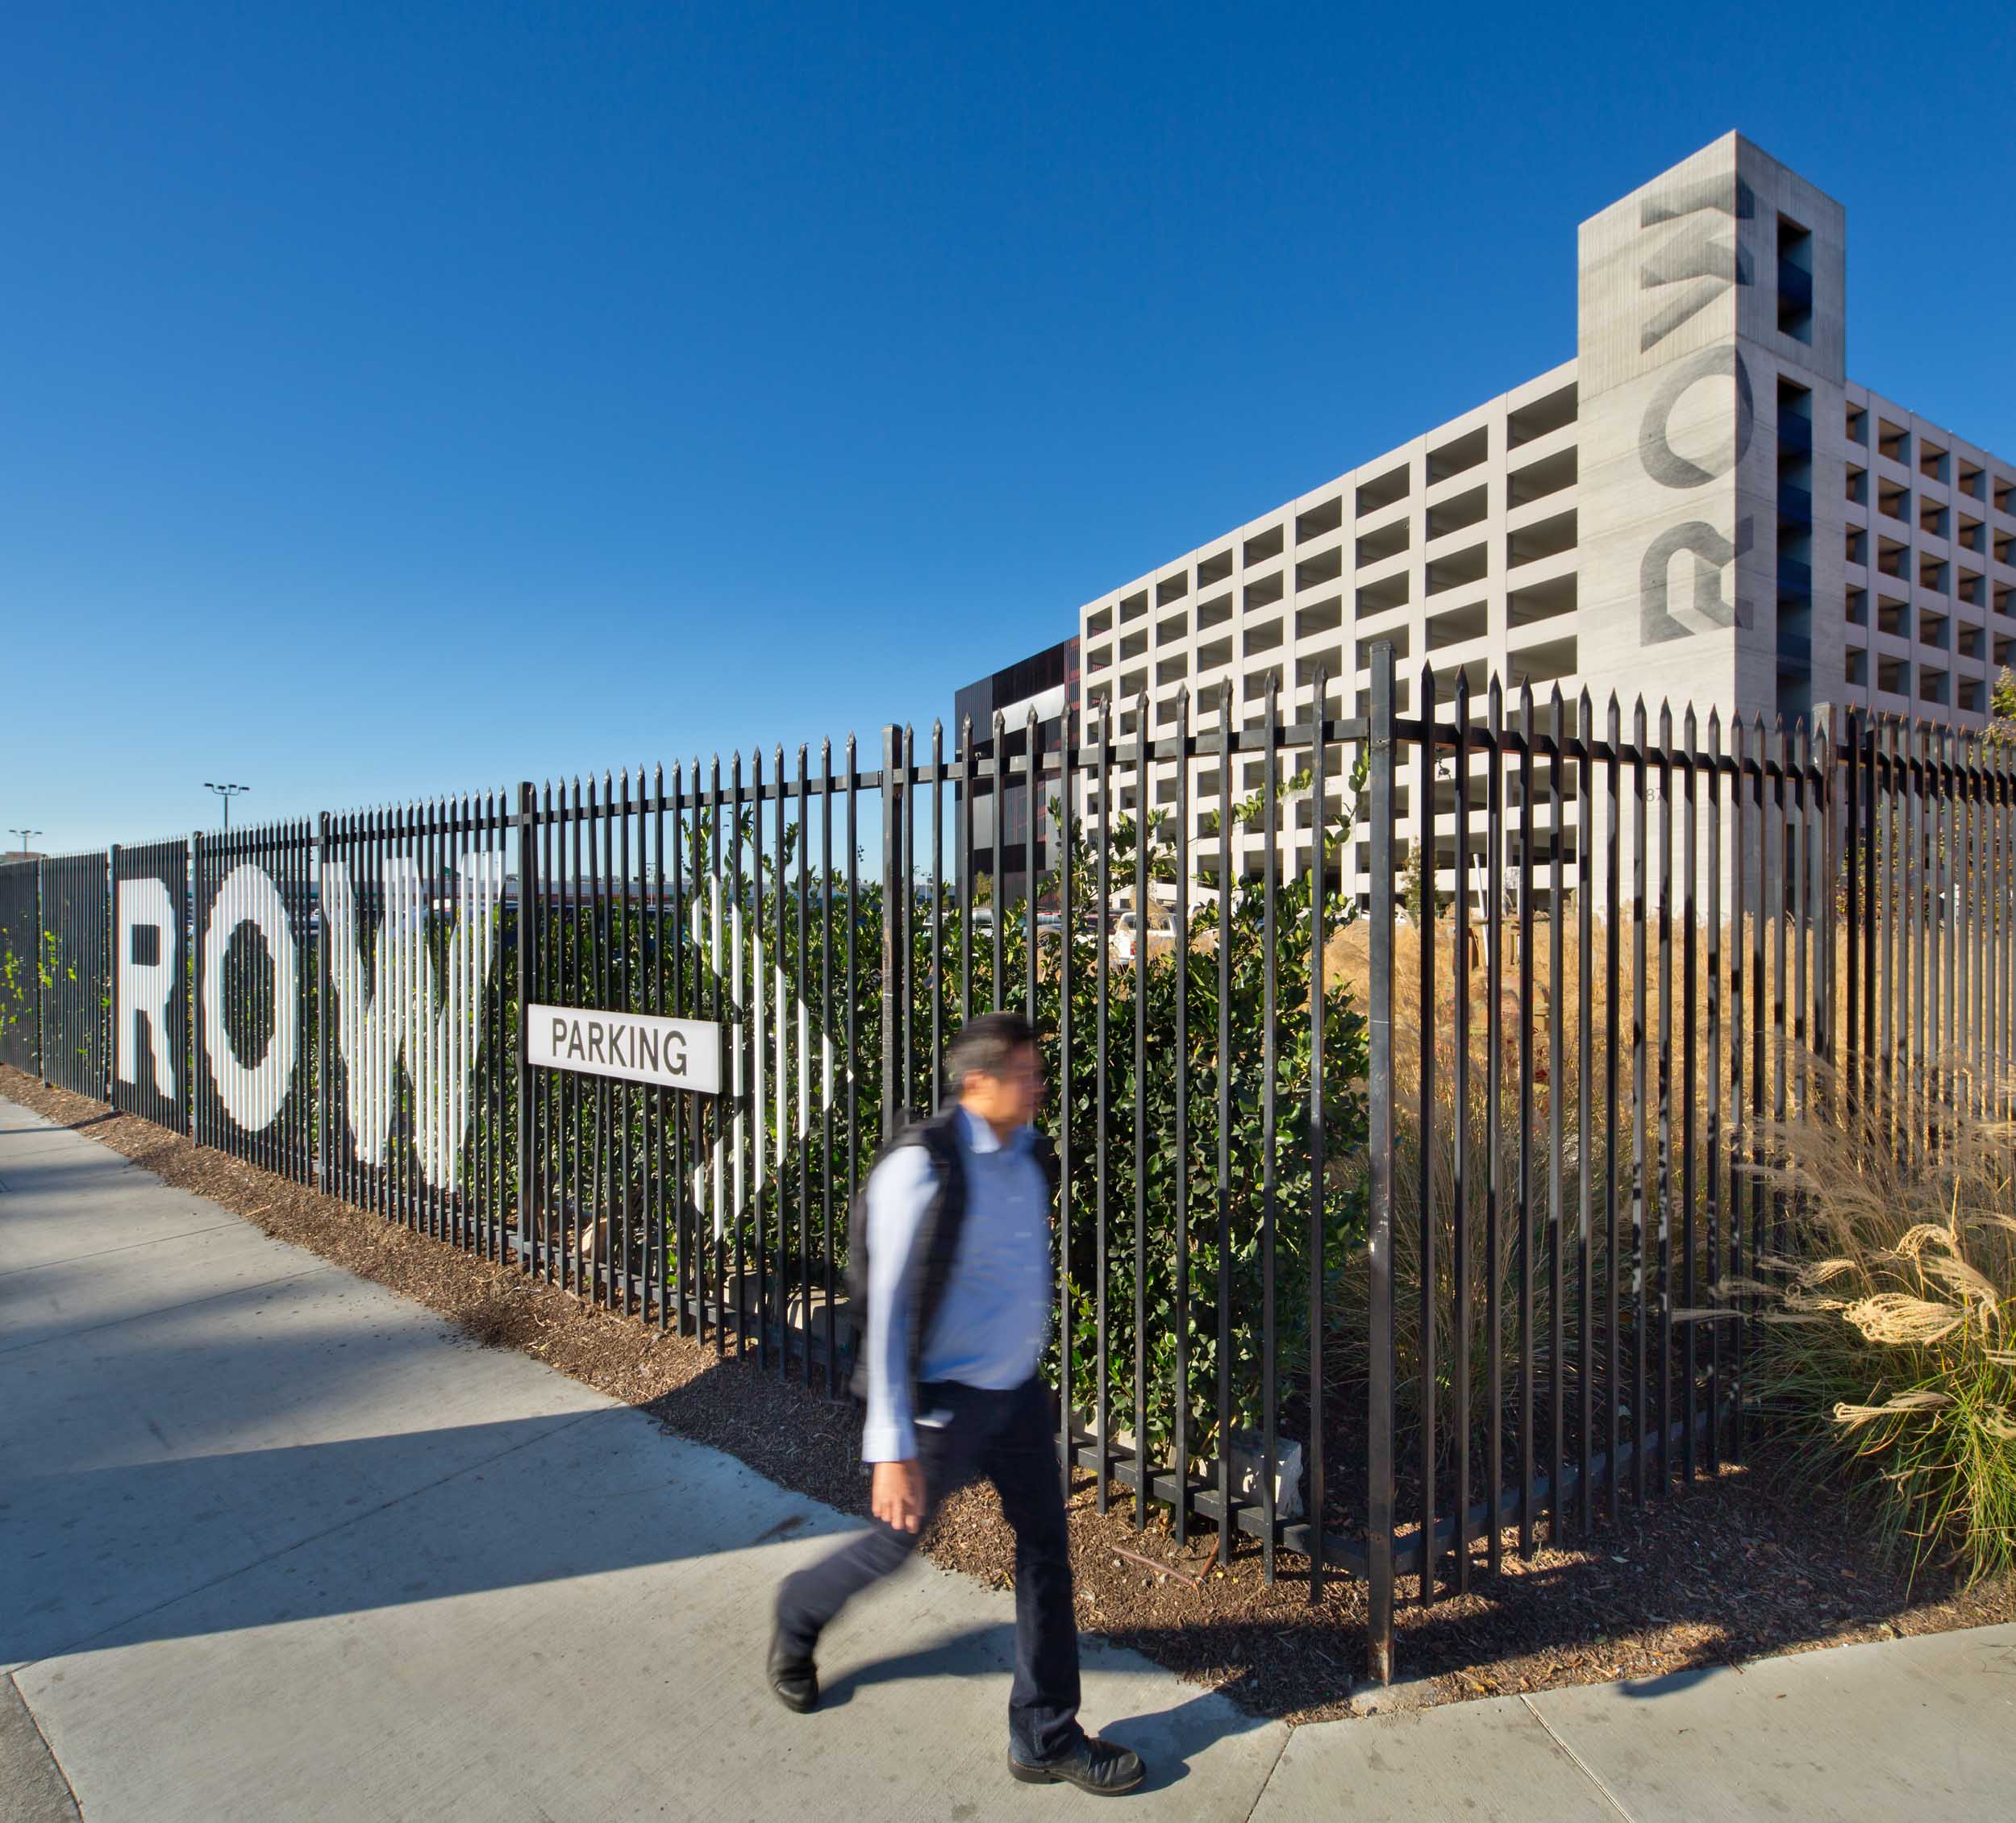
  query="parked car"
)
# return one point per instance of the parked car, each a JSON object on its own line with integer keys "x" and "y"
{"x": 1124, "y": 927}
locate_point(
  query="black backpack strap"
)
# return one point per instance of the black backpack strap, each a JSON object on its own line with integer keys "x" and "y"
{"x": 944, "y": 1224}
{"x": 1046, "y": 1155}
{"x": 937, "y": 1239}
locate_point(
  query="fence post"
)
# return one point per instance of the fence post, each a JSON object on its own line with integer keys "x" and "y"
{"x": 1854, "y": 792}
{"x": 185, "y": 962}
{"x": 1379, "y": 1490}
{"x": 107, "y": 1068}
{"x": 527, "y": 885}
{"x": 44, "y": 977}
{"x": 1825, "y": 725}
{"x": 892, "y": 914}
{"x": 195, "y": 985}
{"x": 112, "y": 973}
{"x": 325, "y": 1015}
{"x": 1318, "y": 1230}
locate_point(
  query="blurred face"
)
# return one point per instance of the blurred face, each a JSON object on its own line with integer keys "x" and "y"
{"x": 1008, "y": 1101}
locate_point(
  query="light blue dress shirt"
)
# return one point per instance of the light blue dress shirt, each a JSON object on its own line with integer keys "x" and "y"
{"x": 990, "y": 1329}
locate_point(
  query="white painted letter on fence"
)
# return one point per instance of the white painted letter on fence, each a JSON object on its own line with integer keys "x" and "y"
{"x": 252, "y": 1095}
{"x": 403, "y": 1014}
{"x": 146, "y": 987}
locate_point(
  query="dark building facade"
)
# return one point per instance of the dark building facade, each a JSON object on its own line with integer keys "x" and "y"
{"x": 1047, "y": 682}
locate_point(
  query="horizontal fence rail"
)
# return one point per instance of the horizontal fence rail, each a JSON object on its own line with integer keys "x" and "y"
{"x": 1412, "y": 1078}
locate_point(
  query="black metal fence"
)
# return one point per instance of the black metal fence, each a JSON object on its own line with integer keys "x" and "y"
{"x": 252, "y": 895}
{"x": 413, "y": 1073}
{"x": 152, "y": 1066}
{"x": 1685, "y": 943}
{"x": 76, "y": 995}
{"x": 1408, "y": 1073}
{"x": 21, "y": 965}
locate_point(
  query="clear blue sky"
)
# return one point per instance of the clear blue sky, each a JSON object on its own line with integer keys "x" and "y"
{"x": 411, "y": 398}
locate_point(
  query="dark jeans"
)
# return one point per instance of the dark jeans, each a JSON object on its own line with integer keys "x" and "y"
{"x": 1007, "y": 1438}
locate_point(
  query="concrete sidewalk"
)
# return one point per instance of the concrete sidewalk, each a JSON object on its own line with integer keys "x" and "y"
{"x": 276, "y": 1544}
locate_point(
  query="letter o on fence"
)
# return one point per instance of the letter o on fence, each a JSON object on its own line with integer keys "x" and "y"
{"x": 252, "y": 1097}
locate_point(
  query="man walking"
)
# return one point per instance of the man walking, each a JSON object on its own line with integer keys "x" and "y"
{"x": 958, "y": 1293}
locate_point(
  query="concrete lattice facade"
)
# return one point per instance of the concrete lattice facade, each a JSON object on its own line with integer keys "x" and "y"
{"x": 1700, "y": 508}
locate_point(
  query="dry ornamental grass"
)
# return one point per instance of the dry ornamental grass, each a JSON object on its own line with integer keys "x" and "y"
{"x": 1890, "y": 1348}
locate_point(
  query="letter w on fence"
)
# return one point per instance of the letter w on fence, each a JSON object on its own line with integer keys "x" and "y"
{"x": 762, "y": 1021}
{"x": 404, "y": 1014}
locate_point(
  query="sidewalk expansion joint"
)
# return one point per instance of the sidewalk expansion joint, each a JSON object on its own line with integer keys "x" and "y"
{"x": 1274, "y": 1766}
{"x": 1582, "y": 1764}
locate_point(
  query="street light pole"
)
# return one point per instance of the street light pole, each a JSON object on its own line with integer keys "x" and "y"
{"x": 24, "y": 833}
{"x": 227, "y": 792}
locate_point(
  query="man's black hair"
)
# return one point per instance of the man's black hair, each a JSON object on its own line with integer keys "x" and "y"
{"x": 984, "y": 1045}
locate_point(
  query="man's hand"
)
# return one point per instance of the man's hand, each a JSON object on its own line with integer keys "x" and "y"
{"x": 897, "y": 1494}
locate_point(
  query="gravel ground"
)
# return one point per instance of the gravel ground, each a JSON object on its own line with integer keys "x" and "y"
{"x": 1732, "y": 1569}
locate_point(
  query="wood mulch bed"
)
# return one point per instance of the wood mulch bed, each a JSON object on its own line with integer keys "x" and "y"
{"x": 1732, "y": 1569}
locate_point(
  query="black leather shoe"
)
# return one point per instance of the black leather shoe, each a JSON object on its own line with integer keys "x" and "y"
{"x": 793, "y": 1677}
{"x": 1094, "y": 1765}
